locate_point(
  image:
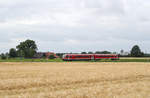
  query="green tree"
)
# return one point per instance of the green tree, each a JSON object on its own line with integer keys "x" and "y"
{"x": 102, "y": 52}
{"x": 3, "y": 56}
{"x": 60, "y": 54}
{"x": 90, "y": 52}
{"x": 12, "y": 53}
{"x": 105, "y": 52}
{"x": 136, "y": 51}
{"x": 27, "y": 48}
{"x": 97, "y": 52}
{"x": 83, "y": 53}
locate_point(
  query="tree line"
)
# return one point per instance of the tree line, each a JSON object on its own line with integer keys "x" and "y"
{"x": 28, "y": 48}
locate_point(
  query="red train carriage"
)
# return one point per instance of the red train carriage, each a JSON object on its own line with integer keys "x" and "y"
{"x": 71, "y": 57}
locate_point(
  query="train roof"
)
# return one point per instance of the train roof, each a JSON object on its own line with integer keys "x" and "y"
{"x": 91, "y": 54}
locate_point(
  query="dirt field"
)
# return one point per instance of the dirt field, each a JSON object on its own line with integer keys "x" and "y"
{"x": 75, "y": 80}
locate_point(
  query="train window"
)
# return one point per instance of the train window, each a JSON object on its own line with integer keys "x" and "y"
{"x": 76, "y": 56}
{"x": 80, "y": 56}
{"x": 104, "y": 56}
{"x": 85, "y": 56}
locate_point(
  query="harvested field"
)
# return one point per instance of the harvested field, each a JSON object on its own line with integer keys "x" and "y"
{"x": 74, "y": 80}
{"x": 134, "y": 58}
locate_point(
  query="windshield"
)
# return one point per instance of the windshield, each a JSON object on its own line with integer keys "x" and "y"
{"x": 64, "y": 55}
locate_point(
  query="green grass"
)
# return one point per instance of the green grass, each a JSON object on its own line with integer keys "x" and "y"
{"x": 59, "y": 60}
{"x": 30, "y": 60}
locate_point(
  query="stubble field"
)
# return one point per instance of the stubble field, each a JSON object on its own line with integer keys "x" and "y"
{"x": 74, "y": 80}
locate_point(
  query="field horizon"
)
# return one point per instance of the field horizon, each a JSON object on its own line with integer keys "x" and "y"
{"x": 74, "y": 80}
{"x": 122, "y": 59}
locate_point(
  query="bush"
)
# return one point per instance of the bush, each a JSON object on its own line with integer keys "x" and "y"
{"x": 44, "y": 55}
{"x": 52, "y": 57}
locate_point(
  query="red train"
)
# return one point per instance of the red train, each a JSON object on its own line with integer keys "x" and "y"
{"x": 76, "y": 57}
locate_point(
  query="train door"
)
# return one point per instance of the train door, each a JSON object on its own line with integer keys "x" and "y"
{"x": 92, "y": 57}
{"x": 67, "y": 57}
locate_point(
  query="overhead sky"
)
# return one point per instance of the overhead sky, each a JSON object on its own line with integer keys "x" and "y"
{"x": 76, "y": 25}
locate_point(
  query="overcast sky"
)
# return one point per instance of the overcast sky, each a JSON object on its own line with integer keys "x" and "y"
{"x": 76, "y": 25}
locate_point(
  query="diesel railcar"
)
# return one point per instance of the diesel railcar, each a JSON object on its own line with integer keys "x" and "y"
{"x": 76, "y": 57}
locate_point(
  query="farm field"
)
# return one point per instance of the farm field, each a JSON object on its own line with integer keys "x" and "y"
{"x": 134, "y": 57}
{"x": 74, "y": 80}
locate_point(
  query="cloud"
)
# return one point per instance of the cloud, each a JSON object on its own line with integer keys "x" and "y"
{"x": 75, "y": 25}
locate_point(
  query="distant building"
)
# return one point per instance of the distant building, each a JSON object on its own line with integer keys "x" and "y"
{"x": 50, "y": 53}
{"x": 45, "y": 55}
{"x": 39, "y": 55}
